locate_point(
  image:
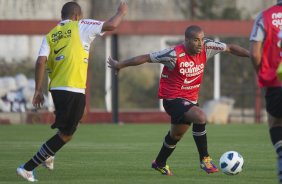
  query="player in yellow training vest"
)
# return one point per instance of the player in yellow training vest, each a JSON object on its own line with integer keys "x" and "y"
{"x": 65, "y": 51}
{"x": 68, "y": 61}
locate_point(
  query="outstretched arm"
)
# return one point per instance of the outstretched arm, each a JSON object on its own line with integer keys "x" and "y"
{"x": 237, "y": 50}
{"x": 166, "y": 57}
{"x": 114, "y": 21}
{"x": 138, "y": 60}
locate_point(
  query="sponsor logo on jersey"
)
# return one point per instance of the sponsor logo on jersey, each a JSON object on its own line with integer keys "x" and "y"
{"x": 277, "y": 19}
{"x": 186, "y": 81}
{"x": 189, "y": 68}
{"x": 57, "y": 51}
{"x": 90, "y": 22}
{"x": 60, "y": 57}
{"x": 59, "y": 35}
{"x": 190, "y": 87}
{"x": 182, "y": 54}
{"x": 214, "y": 47}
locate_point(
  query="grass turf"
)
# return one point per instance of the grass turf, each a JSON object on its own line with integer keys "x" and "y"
{"x": 114, "y": 154}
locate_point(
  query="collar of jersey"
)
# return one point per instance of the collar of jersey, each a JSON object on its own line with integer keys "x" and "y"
{"x": 64, "y": 21}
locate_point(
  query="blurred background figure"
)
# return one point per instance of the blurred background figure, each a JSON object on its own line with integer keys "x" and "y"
{"x": 198, "y": 10}
{"x": 265, "y": 48}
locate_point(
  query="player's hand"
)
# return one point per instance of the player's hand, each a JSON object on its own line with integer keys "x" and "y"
{"x": 38, "y": 99}
{"x": 123, "y": 7}
{"x": 113, "y": 64}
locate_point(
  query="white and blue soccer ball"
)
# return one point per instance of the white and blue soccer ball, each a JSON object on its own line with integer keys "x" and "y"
{"x": 231, "y": 163}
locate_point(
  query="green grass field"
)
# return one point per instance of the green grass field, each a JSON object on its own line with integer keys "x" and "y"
{"x": 115, "y": 154}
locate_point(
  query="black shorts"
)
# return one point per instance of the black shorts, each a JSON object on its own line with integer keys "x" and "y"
{"x": 273, "y": 99}
{"x": 176, "y": 109}
{"x": 69, "y": 109}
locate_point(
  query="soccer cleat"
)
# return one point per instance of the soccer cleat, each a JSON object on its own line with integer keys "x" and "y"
{"x": 208, "y": 166}
{"x": 28, "y": 175}
{"x": 163, "y": 170}
{"x": 49, "y": 163}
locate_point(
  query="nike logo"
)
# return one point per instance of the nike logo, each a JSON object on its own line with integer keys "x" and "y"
{"x": 190, "y": 81}
{"x": 57, "y": 51}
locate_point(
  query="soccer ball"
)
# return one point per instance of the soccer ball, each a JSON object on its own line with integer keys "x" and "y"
{"x": 231, "y": 163}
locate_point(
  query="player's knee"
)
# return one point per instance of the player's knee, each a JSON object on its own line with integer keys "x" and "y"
{"x": 273, "y": 125}
{"x": 197, "y": 115}
{"x": 176, "y": 136}
{"x": 201, "y": 117}
{"x": 274, "y": 122}
{"x": 170, "y": 141}
{"x": 65, "y": 138}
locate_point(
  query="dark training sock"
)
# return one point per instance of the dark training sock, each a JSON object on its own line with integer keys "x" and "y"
{"x": 200, "y": 137}
{"x": 276, "y": 138}
{"x": 168, "y": 147}
{"x": 48, "y": 149}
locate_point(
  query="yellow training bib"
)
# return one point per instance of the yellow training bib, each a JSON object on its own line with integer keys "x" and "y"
{"x": 68, "y": 61}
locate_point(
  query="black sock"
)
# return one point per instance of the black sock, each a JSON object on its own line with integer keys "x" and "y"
{"x": 48, "y": 149}
{"x": 200, "y": 137}
{"x": 276, "y": 138}
{"x": 168, "y": 147}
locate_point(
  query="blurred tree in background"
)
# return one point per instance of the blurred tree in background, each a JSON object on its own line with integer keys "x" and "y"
{"x": 237, "y": 77}
{"x": 138, "y": 86}
{"x": 12, "y": 68}
{"x": 209, "y": 10}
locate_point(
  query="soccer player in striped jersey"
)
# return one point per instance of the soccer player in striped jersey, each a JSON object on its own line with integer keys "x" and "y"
{"x": 65, "y": 51}
{"x": 266, "y": 55}
{"x": 179, "y": 87}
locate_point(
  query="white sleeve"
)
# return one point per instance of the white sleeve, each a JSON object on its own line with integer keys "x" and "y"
{"x": 258, "y": 32}
{"x": 89, "y": 29}
{"x": 213, "y": 47}
{"x": 166, "y": 57}
{"x": 44, "y": 49}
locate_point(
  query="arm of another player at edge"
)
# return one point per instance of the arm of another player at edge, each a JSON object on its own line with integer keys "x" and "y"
{"x": 255, "y": 53}
{"x": 114, "y": 21}
{"x": 237, "y": 50}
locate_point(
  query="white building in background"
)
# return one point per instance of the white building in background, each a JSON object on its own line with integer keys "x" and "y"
{"x": 15, "y": 48}
{"x": 253, "y": 6}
